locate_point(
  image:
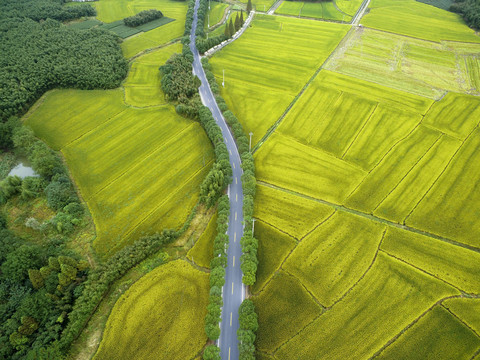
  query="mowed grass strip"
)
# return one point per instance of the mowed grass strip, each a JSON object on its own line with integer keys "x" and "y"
{"x": 267, "y": 67}
{"x": 451, "y": 207}
{"x": 468, "y": 310}
{"x": 290, "y": 213}
{"x": 335, "y": 255}
{"x": 456, "y": 265}
{"x": 65, "y": 115}
{"x": 161, "y": 315}
{"x": 392, "y": 169}
{"x": 119, "y": 144}
{"x": 119, "y": 207}
{"x": 437, "y": 335}
{"x": 456, "y": 115}
{"x": 278, "y": 297}
{"x": 413, "y": 65}
{"x": 390, "y": 297}
{"x": 403, "y": 199}
{"x": 284, "y": 162}
{"x": 273, "y": 247}
{"x": 412, "y": 18}
{"x": 202, "y": 252}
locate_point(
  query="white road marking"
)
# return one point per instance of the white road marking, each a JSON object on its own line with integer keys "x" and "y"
{"x": 235, "y": 237}
{"x": 233, "y": 262}
{"x": 232, "y": 288}
{"x": 230, "y": 152}
{"x": 235, "y": 216}
{"x": 231, "y": 319}
{"x": 229, "y": 353}
{"x": 236, "y": 180}
{"x": 236, "y": 197}
{"x": 225, "y": 140}
{"x": 233, "y": 165}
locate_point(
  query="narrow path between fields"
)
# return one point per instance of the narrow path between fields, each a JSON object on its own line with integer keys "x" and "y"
{"x": 233, "y": 292}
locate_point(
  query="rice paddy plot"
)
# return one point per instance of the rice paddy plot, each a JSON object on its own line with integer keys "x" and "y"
{"x": 331, "y": 259}
{"x": 393, "y": 168}
{"x": 467, "y": 309}
{"x": 273, "y": 247}
{"x": 269, "y": 64}
{"x": 390, "y": 297}
{"x": 452, "y": 207}
{"x": 473, "y": 68}
{"x": 109, "y": 11}
{"x": 217, "y": 10}
{"x": 438, "y": 335}
{"x": 118, "y": 27}
{"x": 456, "y": 115}
{"x": 202, "y": 252}
{"x": 260, "y": 5}
{"x": 162, "y": 314}
{"x": 126, "y": 202}
{"x": 411, "y": 18}
{"x": 65, "y": 115}
{"x": 416, "y": 66}
{"x": 406, "y": 195}
{"x": 286, "y": 163}
{"x": 290, "y": 8}
{"x": 290, "y": 213}
{"x": 277, "y": 298}
{"x": 324, "y": 10}
{"x": 349, "y": 7}
{"x": 454, "y": 264}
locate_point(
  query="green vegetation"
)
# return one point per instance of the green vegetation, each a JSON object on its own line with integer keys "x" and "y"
{"x": 401, "y": 293}
{"x": 142, "y": 17}
{"x": 118, "y": 27}
{"x": 277, "y": 298}
{"x": 437, "y": 335}
{"x": 201, "y": 253}
{"x": 217, "y": 10}
{"x": 457, "y": 266}
{"x": 248, "y": 320}
{"x": 470, "y": 10}
{"x": 306, "y": 45}
{"x": 318, "y": 10}
{"x": 468, "y": 310}
{"x": 174, "y": 295}
{"x": 349, "y": 7}
{"x": 416, "y": 66}
{"x": 411, "y": 18}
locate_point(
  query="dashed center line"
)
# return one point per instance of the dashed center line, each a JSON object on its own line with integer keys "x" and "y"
{"x": 233, "y": 262}
{"x": 232, "y": 288}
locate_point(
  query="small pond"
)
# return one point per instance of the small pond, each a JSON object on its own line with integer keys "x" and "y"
{"x": 22, "y": 171}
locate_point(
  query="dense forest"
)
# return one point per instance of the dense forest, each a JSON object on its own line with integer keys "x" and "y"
{"x": 470, "y": 10}
{"x": 38, "y": 53}
{"x": 41, "y": 275}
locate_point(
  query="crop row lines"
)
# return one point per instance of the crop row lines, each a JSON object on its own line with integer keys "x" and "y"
{"x": 360, "y": 130}
{"x": 459, "y": 319}
{"x": 287, "y": 110}
{"x": 441, "y": 173}
{"x": 373, "y": 217}
{"x": 277, "y": 228}
{"x": 306, "y": 289}
{"x": 392, "y": 340}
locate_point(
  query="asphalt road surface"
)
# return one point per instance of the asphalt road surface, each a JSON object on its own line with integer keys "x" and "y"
{"x": 233, "y": 290}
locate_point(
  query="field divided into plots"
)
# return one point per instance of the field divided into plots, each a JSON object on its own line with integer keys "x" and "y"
{"x": 137, "y": 164}
{"x": 317, "y": 10}
{"x": 162, "y": 314}
{"x": 367, "y": 206}
{"x": 267, "y": 67}
{"x": 416, "y": 66}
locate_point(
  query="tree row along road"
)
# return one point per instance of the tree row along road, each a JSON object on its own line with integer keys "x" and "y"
{"x": 233, "y": 290}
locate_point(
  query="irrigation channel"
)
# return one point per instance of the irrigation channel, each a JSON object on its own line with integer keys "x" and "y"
{"x": 233, "y": 291}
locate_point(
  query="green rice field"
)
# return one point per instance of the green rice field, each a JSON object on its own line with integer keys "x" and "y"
{"x": 318, "y": 10}
{"x": 128, "y": 137}
{"x": 162, "y": 313}
{"x": 269, "y": 40}
{"x": 217, "y": 10}
{"x": 202, "y": 252}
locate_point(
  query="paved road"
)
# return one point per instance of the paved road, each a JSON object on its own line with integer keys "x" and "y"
{"x": 233, "y": 291}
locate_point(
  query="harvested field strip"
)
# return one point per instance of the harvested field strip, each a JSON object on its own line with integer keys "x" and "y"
{"x": 456, "y": 115}
{"x": 393, "y": 168}
{"x": 292, "y": 214}
{"x": 286, "y": 163}
{"x": 334, "y": 256}
{"x": 277, "y": 298}
{"x": 357, "y": 325}
{"x": 456, "y": 265}
{"x": 273, "y": 247}
{"x": 451, "y": 206}
{"x": 437, "y": 335}
{"x": 173, "y": 298}
{"x": 468, "y": 310}
{"x": 401, "y": 201}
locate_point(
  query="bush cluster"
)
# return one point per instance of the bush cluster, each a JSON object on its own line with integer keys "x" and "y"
{"x": 470, "y": 10}
{"x": 142, "y": 17}
{"x": 204, "y": 44}
{"x": 246, "y": 333}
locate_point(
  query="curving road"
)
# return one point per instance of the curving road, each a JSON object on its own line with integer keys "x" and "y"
{"x": 233, "y": 290}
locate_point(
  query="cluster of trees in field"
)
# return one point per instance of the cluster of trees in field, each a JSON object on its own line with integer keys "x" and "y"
{"x": 43, "y": 9}
{"x": 470, "y": 10}
{"x": 232, "y": 27}
{"x": 142, "y": 17}
{"x": 246, "y": 333}
{"x": 36, "y": 56}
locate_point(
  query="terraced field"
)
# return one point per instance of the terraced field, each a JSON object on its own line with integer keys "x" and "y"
{"x": 367, "y": 201}
{"x": 118, "y": 153}
{"x": 162, "y": 314}
{"x": 257, "y": 93}
{"x": 421, "y": 67}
